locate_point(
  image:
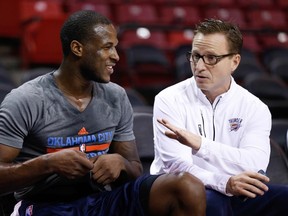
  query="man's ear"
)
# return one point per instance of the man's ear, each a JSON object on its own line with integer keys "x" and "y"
{"x": 76, "y": 48}
{"x": 235, "y": 62}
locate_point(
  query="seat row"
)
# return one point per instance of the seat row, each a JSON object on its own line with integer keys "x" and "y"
{"x": 37, "y": 25}
{"x": 19, "y": 13}
{"x": 205, "y": 3}
{"x": 149, "y": 14}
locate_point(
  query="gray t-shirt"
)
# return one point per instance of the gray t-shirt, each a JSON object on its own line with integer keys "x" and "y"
{"x": 38, "y": 119}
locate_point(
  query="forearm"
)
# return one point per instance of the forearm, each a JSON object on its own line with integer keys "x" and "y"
{"x": 133, "y": 168}
{"x": 19, "y": 175}
{"x": 125, "y": 158}
{"x": 230, "y": 159}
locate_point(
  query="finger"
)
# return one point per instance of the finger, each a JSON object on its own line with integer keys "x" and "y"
{"x": 253, "y": 191}
{"x": 86, "y": 163}
{"x": 169, "y": 126}
{"x": 78, "y": 157}
{"x": 261, "y": 186}
{"x": 171, "y": 135}
{"x": 81, "y": 154}
{"x": 97, "y": 173}
{"x": 255, "y": 185}
{"x": 93, "y": 159}
{"x": 101, "y": 178}
{"x": 257, "y": 175}
{"x": 108, "y": 181}
{"x": 262, "y": 178}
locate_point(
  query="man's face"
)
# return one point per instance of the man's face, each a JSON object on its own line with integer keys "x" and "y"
{"x": 100, "y": 55}
{"x": 213, "y": 80}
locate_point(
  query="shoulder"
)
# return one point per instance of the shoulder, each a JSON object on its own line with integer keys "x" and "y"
{"x": 245, "y": 98}
{"x": 245, "y": 95}
{"x": 111, "y": 88}
{"x": 181, "y": 91}
{"x": 110, "y": 91}
{"x": 114, "y": 87}
{"x": 31, "y": 91}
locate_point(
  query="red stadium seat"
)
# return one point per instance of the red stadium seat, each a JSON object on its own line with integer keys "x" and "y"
{"x": 217, "y": 3}
{"x": 102, "y": 8}
{"x": 282, "y": 4}
{"x": 274, "y": 40}
{"x": 10, "y": 22}
{"x": 15, "y": 14}
{"x": 229, "y": 14}
{"x": 177, "y": 38}
{"x": 176, "y": 2}
{"x": 255, "y": 3}
{"x": 267, "y": 19}
{"x": 180, "y": 15}
{"x": 138, "y": 14}
{"x": 41, "y": 42}
{"x": 31, "y": 9}
{"x": 142, "y": 36}
{"x": 251, "y": 42}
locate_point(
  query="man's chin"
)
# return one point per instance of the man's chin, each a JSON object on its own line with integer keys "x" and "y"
{"x": 102, "y": 80}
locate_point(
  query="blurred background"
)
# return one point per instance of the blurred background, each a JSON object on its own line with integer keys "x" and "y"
{"x": 154, "y": 36}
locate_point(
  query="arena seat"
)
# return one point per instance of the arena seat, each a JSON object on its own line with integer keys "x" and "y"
{"x": 228, "y": 14}
{"x": 143, "y": 130}
{"x": 136, "y": 14}
{"x": 179, "y": 15}
{"x": 102, "y": 8}
{"x": 41, "y": 42}
{"x": 266, "y": 19}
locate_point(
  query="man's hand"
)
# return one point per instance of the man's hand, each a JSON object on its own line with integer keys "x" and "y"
{"x": 107, "y": 168}
{"x": 248, "y": 184}
{"x": 69, "y": 163}
{"x": 183, "y": 136}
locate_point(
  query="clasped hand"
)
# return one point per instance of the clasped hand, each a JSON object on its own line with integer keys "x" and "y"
{"x": 107, "y": 168}
{"x": 248, "y": 184}
{"x": 72, "y": 164}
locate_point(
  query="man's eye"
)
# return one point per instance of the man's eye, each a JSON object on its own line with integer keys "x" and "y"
{"x": 210, "y": 57}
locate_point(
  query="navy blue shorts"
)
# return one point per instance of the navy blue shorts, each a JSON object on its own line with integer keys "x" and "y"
{"x": 272, "y": 203}
{"x": 131, "y": 199}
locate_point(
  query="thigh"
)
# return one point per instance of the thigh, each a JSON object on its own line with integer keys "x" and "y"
{"x": 272, "y": 203}
{"x": 121, "y": 201}
{"x": 218, "y": 204}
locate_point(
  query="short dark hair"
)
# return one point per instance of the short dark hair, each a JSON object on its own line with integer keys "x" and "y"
{"x": 79, "y": 27}
{"x": 230, "y": 30}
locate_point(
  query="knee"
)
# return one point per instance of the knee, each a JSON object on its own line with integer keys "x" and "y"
{"x": 177, "y": 193}
{"x": 190, "y": 184}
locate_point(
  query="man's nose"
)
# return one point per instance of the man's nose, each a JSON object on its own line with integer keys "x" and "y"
{"x": 115, "y": 55}
{"x": 200, "y": 63}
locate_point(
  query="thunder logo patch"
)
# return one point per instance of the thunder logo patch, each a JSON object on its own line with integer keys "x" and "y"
{"x": 235, "y": 124}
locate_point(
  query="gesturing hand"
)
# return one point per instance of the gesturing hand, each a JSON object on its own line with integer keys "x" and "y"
{"x": 183, "y": 136}
{"x": 249, "y": 184}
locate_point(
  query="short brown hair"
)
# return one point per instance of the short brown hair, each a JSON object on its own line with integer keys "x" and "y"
{"x": 230, "y": 30}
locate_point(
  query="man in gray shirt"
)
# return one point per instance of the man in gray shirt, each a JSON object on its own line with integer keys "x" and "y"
{"x": 66, "y": 141}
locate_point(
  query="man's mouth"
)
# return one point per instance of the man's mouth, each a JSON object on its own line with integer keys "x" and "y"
{"x": 110, "y": 68}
